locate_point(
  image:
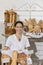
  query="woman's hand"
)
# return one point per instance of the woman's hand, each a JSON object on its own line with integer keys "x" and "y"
{"x": 20, "y": 51}
{"x": 6, "y": 48}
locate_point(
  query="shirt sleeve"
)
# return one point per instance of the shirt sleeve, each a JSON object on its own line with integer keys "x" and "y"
{"x": 8, "y": 42}
{"x": 27, "y": 42}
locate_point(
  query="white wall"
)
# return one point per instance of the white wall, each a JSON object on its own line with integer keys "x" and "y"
{"x": 2, "y": 30}
{"x": 17, "y": 5}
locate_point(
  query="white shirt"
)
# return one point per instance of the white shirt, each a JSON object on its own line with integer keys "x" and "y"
{"x": 14, "y": 44}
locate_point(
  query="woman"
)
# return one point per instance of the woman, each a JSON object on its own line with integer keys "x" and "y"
{"x": 18, "y": 42}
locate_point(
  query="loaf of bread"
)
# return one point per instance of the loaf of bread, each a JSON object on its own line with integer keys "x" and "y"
{"x": 36, "y": 29}
{"x": 40, "y": 23}
{"x": 14, "y": 58}
{"x": 5, "y": 48}
{"x": 5, "y": 56}
{"x": 30, "y": 26}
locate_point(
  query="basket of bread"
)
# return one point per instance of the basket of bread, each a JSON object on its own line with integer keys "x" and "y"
{"x": 5, "y": 58}
{"x": 22, "y": 58}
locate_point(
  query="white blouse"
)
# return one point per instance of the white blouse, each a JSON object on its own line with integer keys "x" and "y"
{"x": 14, "y": 44}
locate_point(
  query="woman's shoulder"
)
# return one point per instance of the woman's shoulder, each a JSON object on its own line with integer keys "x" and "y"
{"x": 25, "y": 37}
{"x": 11, "y": 36}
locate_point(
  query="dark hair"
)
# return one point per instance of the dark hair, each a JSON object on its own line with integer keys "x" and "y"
{"x": 18, "y": 22}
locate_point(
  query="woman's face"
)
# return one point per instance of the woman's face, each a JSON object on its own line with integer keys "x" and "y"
{"x": 19, "y": 28}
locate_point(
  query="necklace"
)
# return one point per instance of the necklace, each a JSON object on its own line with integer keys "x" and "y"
{"x": 18, "y": 37}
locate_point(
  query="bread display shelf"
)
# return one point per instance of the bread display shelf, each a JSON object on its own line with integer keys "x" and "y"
{"x": 29, "y": 35}
{"x": 9, "y": 21}
{"x": 33, "y": 26}
{"x": 33, "y": 35}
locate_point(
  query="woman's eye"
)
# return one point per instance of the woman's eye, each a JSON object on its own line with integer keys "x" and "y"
{"x": 18, "y": 27}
